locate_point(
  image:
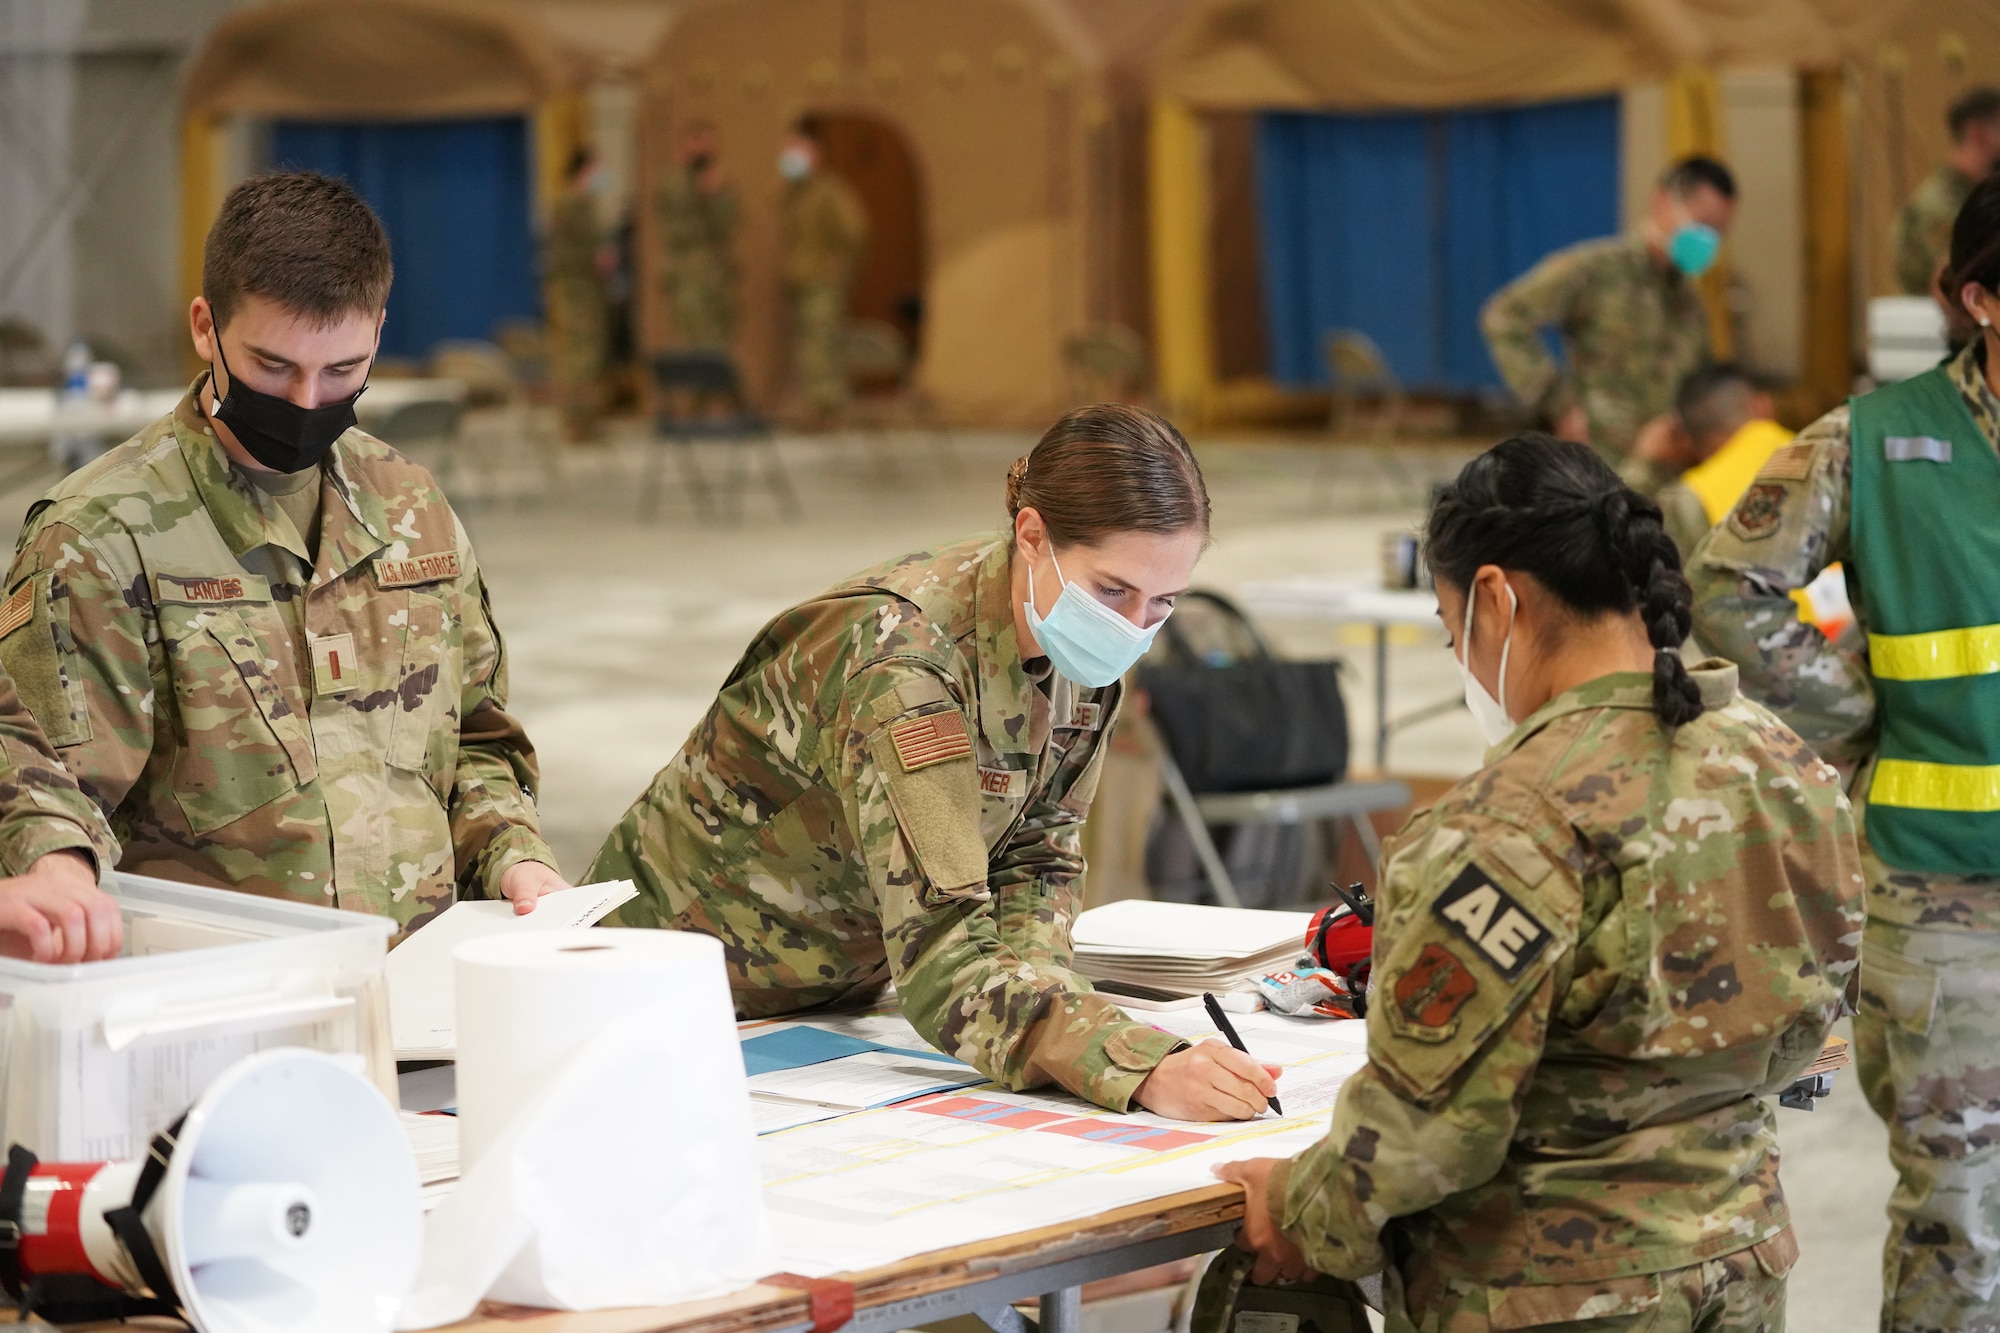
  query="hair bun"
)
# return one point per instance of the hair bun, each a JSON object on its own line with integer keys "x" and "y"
{"x": 1017, "y": 476}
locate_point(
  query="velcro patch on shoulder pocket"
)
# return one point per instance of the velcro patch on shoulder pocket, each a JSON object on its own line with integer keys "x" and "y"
{"x": 1498, "y": 926}
{"x": 38, "y": 654}
{"x": 937, "y": 809}
{"x": 1453, "y": 975}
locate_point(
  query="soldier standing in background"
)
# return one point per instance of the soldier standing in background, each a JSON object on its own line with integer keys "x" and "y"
{"x": 698, "y": 215}
{"x": 1900, "y": 487}
{"x": 1923, "y": 224}
{"x": 1593, "y": 958}
{"x": 1631, "y": 324}
{"x": 825, "y": 231}
{"x": 579, "y": 322}
{"x": 891, "y": 784}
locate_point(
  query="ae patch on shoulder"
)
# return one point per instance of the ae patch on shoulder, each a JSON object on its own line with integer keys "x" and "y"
{"x": 1760, "y": 511}
{"x": 1487, "y": 917}
{"x": 1435, "y": 987}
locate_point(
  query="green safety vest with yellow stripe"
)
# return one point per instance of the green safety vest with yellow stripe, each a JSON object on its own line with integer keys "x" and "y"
{"x": 1926, "y": 536}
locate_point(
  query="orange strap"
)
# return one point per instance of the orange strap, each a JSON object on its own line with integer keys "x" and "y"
{"x": 830, "y": 1300}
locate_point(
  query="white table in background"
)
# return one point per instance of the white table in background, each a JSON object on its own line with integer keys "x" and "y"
{"x": 31, "y": 418}
{"x": 1355, "y": 602}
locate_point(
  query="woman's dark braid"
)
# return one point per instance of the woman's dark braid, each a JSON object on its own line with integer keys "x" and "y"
{"x": 1632, "y": 530}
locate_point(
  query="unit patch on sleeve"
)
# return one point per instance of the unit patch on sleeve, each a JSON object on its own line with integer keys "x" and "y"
{"x": 933, "y": 738}
{"x": 1435, "y": 987}
{"x": 1760, "y": 511}
{"x": 1488, "y": 918}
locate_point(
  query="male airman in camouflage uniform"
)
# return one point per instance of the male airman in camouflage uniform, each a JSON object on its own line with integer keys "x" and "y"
{"x": 1927, "y": 1033}
{"x": 52, "y": 840}
{"x": 1923, "y": 225}
{"x": 698, "y": 217}
{"x": 1631, "y": 323}
{"x": 883, "y": 792}
{"x": 308, "y": 707}
{"x": 825, "y": 231}
{"x": 579, "y": 328}
{"x": 1591, "y": 959}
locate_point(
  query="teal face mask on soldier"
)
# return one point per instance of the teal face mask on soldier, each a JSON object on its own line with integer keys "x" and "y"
{"x": 1085, "y": 640}
{"x": 1692, "y": 248}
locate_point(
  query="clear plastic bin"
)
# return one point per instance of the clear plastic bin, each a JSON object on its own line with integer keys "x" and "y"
{"x": 95, "y": 1058}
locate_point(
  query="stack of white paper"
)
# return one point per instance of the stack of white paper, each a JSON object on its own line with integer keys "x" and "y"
{"x": 434, "y": 1140}
{"x": 1184, "y": 948}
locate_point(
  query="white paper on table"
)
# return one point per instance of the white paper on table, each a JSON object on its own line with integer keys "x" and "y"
{"x": 423, "y": 1009}
{"x": 868, "y": 1078}
{"x": 771, "y": 1114}
{"x": 1186, "y": 930}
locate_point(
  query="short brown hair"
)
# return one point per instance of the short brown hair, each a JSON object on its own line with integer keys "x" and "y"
{"x": 1108, "y": 469}
{"x": 304, "y": 240}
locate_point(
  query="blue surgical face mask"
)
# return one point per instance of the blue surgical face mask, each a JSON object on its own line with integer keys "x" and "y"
{"x": 795, "y": 163}
{"x": 1085, "y": 640}
{"x": 1692, "y": 247}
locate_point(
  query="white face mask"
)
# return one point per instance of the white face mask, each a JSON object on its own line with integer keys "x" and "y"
{"x": 1490, "y": 713}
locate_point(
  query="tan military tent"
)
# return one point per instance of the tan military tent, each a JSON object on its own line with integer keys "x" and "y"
{"x": 999, "y": 159}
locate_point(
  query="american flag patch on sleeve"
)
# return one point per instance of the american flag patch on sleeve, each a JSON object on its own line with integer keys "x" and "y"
{"x": 930, "y": 739}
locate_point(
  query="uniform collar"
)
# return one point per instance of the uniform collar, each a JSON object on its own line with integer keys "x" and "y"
{"x": 1642, "y": 254}
{"x": 1967, "y": 372}
{"x": 247, "y": 519}
{"x": 1715, "y": 678}
{"x": 1014, "y": 714}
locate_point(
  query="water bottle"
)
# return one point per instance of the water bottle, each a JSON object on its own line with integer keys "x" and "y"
{"x": 76, "y": 370}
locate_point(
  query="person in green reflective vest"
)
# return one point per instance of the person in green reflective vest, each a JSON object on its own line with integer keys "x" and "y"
{"x": 1902, "y": 486}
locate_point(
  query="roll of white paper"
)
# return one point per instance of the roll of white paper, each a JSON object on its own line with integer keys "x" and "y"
{"x": 609, "y": 1154}
{"x": 527, "y": 1003}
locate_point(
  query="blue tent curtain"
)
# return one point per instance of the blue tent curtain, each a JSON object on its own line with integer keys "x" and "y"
{"x": 1402, "y": 225}
{"x": 455, "y": 199}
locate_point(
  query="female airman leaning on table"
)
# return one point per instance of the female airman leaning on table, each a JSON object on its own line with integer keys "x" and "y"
{"x": 891, "y": 784}
{"x": 1591, "y": 957}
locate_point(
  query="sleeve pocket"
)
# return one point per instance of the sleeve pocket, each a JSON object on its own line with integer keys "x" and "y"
{"x": 937, "y": 809}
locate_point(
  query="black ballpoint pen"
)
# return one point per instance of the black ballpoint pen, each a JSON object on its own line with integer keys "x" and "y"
{"x": 1228, "y": 1030}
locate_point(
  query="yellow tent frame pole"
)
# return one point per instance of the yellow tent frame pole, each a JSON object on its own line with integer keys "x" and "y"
{"x": 1183, "y": 326}
{"x": 201, "y": 199}
{"x": 559, "y": 132}
{"x": 1694, "y": 125}
{"x": 1829, "y": 239}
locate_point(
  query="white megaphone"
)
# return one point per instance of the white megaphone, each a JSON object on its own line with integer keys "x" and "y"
{"x": 286, "y": 1198}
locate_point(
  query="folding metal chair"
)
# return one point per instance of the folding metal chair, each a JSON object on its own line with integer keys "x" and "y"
{"x": 700, "y": 398}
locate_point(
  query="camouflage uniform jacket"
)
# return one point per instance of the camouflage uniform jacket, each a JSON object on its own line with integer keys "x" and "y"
{"x": 333, "y": 734}
{"x": 697, "y": 228}
{"x": 1632, "y": 329}
{"x": 1791, "y": 524}
{"x": 1922, "y": 237}
{"x": 41, "y": 808}
{"x": 883, "y": 791}
{"x": 825, "y": 230}
{"x": 1591, "y": 957}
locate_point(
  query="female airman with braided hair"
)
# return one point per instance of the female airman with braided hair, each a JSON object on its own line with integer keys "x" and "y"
{"x": 1593, "y": 957}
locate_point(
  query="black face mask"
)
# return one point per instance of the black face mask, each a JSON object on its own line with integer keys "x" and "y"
{"x": 699, "y": 162}
{"x": 276, "y": 431}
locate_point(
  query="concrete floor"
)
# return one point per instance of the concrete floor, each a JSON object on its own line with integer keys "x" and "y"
{"x": 618, "y": 633}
